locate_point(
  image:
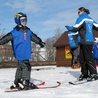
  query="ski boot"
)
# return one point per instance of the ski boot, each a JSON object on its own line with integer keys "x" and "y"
{"x": 94, "y": 76}
{"x": 29, "y": 85}
{"x": 82, "y": 77}
{"x": 33, "y": 86}
{"x": 16, "y": 84}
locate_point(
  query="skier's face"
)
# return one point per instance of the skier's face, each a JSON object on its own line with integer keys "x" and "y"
{"x": 80, "y": 12}
{"x": 23, "y": 21}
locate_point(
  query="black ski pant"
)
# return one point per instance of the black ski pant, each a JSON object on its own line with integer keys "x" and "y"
{"x": 75, "y": 54}
{"x": 86, "y": 60}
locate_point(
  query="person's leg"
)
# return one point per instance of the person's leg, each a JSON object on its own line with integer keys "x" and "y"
{"x": 18, "y": 76}
{"x": 75, "y": 54}
{"x": 26, "y": 69}
{"x": 83, "y": 65}
{"x": 90, "y": 60}
{"x": 75, "y": 59}
{"x": 96, "y": 62}
{"x": 72, "y": 58}
{"x": 26, "y": 73}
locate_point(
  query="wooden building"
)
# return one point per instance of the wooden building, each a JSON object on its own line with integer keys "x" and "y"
{"x": 63, "y": 56}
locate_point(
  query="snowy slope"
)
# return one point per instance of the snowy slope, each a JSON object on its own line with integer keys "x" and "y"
{"x": 50, "y": 75}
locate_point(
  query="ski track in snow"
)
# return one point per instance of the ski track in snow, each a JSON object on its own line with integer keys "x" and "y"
{"x": 49, "y": 74}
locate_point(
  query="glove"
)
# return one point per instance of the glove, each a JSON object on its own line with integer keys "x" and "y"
{"x": 66, "y": 26}
{"x": 42, "y": 44}
{"x": 69, "y": 28}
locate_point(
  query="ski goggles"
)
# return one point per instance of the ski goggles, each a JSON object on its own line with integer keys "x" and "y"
{"x": 23, "y": 20}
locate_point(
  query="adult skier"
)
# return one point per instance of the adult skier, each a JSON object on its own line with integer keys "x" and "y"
{"x": 84, "y": 25}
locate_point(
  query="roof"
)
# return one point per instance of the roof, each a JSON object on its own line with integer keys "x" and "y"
{"x": 63, "y": 40}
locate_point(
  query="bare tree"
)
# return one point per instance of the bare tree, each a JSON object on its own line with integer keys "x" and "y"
{"x": 49, "y": 45}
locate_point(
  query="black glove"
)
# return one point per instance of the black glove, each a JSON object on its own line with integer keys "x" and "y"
{"x": 42, "y": 44}
{"x": 69, "y": 28}
{"x": 66, "y": 26}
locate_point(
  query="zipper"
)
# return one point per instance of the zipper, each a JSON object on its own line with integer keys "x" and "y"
{"x": 25, "y": 36}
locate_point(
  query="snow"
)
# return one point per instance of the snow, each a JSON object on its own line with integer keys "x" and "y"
{"x": 49, "y": 74}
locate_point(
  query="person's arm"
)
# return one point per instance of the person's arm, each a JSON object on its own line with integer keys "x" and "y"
{"x": 5, "y": 39}
{"x": 76, "y": 27}
{"x": 37, "y": 40}
{"x": 78, "y": 24}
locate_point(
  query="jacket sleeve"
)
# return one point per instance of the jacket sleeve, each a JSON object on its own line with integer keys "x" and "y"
{"x": 35, "y": 38}
{"x": 79, "y": 23}
{"x": 5, "y": 39}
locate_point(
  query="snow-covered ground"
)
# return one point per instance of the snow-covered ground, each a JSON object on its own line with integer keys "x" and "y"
{"x": 49, "y": 74}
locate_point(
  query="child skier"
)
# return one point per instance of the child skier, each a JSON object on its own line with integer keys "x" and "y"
{"x": 21, "y": 37}
{"x": 74, "y": 47}
{"x": 95, "y": 53}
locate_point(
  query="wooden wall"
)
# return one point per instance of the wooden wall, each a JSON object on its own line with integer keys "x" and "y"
{"x": 60, "y": 45}
{"x": 60, "y": 57}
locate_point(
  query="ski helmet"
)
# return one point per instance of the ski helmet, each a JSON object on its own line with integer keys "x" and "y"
{"x": 18, "y": 16}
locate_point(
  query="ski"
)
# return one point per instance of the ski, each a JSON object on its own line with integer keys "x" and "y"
{"x": 77, "y": 82}
{"x": 80, "y": 82}
{"x": 55, "y": 86}
{"x": 42, "y": 83}
{"x": 44, "y": 87}
{"x": 9, "y": 90}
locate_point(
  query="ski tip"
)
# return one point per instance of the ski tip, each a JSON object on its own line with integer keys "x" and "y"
{"x": 58, "y": 82}
{"x": 43, "y": 83}
{"x": 71, "y": 83}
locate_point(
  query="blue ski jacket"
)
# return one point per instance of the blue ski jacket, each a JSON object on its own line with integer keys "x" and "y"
{"x": 95, "y": 50}
{"x": 84, "y": 25}
{"x": 21, "y": 44}
{"x": 73, "y": 39}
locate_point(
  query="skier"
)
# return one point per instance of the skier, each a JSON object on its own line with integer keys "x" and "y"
{"x": 84, "y": 25}
{"x": 21, "y": 37}
{"x": 74, "y": 47}
{"x": 95, "y": 53}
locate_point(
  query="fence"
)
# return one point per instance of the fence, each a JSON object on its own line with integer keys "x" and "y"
{"x": 39, "y": 57}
